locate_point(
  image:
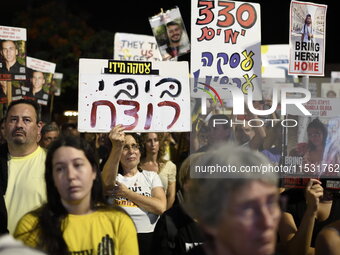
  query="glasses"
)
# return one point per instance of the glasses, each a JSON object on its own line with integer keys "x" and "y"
{"x": 314, "y": 134}
{"x": 133, "y": 147}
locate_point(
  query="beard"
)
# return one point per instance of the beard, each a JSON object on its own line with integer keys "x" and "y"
{"x": 174, "y": 40}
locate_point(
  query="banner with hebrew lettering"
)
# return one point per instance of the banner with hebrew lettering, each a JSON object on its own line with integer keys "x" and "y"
{"x": 226, "y": 48}
{"x": 141, "y": 96}
{"x": 136, "y": 47}
{"x": 307, "y": 38}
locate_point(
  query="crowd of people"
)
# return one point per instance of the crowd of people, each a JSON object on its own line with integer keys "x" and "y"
{"x": 65, "y": 192}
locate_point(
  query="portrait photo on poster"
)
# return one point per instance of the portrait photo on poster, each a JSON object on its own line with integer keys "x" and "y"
{"x": 170, "y": 33}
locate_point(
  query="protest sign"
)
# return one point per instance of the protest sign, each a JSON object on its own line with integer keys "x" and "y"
{"x": 275, "y": 60}
{"x": 226, "y": 41}
{"x": 56, "y": 84}
{"x": 170, "y": 33}
{"x": 135, "y": 47}
{"x": 335, "y": 76}
{"x": 13, "y": 53}
{"x": 316, "y": 156}
{"x": 318, "y": 107}
{"x": 330, "y": 90}
{"x": 307, "y": 38}
{"x": 141, "y": 96}
{"x": 40, "y": 80}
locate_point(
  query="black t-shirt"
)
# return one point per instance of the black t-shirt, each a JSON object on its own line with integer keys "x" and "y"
{"x": 178, "y": 239}
{"x": 296, "y": 206}
{"x": 17, "y": 68}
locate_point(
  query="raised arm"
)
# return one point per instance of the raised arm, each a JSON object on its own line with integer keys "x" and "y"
{"x": 298, "y": 240}
{"x": 110, "y": 170}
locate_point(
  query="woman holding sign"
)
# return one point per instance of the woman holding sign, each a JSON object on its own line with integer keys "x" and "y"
{"x": 139, "y": 192}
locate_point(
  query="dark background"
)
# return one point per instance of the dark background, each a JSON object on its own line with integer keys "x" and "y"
{"x": 63, "y": 31}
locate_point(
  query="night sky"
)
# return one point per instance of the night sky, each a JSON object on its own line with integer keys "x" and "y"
{"x": 131, "y": 16}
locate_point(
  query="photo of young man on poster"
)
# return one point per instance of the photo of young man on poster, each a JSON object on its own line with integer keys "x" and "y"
{"x": 307, "y": 30}
{"x": 9, "y": 58}
{"x": 177, "y": 44}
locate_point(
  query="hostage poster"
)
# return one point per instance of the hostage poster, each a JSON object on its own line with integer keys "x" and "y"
{"x": 307, "y": 38}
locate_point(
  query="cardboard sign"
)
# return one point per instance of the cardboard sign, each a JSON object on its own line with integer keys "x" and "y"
{"x": 135, "y": 47}
{"x": 226, "y": 48}
{"x": 307, "y": 38}
{"x": 118, "y": 92}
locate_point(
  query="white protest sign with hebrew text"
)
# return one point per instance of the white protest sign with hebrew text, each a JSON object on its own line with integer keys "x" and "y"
{"x": 141, "y": 96}
{"x": 226, "y": 47}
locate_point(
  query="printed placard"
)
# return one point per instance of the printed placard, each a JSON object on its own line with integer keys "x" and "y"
{"x": 39, "y": 80}
{"x": 12, "y": 53}
{"x": 318, "y": 107}
{"x": 170, "y": 34}
{"x": 317, "y": 155}
{"x": 226, "y": 49}
{"x": 56, "y": 84}
{"x": 330, "y": 90}
{"x": 135, "y": 47}
{"x": 307, "y": 38}
{"x": 40, "y": 65}
{"x": 139, "y": 102}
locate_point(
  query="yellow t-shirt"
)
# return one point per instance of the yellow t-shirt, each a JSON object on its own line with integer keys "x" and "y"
{"x": 26, "y": 189}
{"x": 101, "y": 232}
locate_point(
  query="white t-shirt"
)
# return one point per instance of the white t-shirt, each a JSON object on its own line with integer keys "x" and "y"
{"x": 141, "y": 183}
{"x": 305, "y": 31}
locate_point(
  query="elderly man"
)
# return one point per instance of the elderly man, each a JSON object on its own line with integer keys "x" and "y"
{"x": 24, "y": 186}
{"x": 49, "y": 133}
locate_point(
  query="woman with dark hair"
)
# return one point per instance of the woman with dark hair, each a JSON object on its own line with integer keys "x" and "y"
{"x": 317, "y": 134}
{"x": 139, "y": 192}
{"x": 76, "y": 218}
{"x": 312, "y": 151}
{"x": 153, "y": 160}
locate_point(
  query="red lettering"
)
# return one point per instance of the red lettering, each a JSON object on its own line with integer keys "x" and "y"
{"x": 306, "y": 66}
{"x": 177, "y": 111}
{"x": 149, "y": 115}
{"x": 131, "y": 112}
{"x": 230, "y": 34}
{"x": 206, "y": 12}
{"x": 94, "y": 112}
{"x": 207, "y": 34}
